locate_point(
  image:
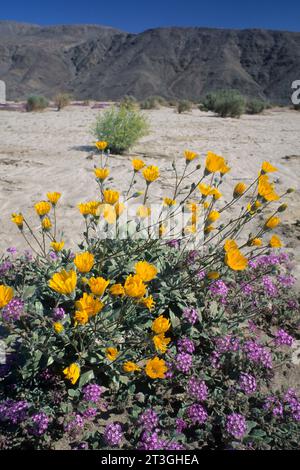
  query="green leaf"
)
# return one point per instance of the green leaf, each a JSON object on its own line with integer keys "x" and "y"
{"x": 174, "y": 319}
{"x": 28, "y": 292}
{"x": 85, "y": 378}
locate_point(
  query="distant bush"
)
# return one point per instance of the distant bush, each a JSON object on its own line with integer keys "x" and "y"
{"x": 36, "y": 103}
{"x": 173, "y": 102}
{"x": 129, "y": 102}
{"x": 184, "y": 106}
{"x": 255, "y": 106}
{"x": 160, "y": 100}
{"x": 62, "y": 100}
{"x": 225, "y": 103}
{"x": 150, "y": 103}
{"x": 121, "y": 127}
{"x": 297, "y": 107}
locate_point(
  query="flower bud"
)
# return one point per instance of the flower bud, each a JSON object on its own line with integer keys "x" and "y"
{"x": 282, "y": 208}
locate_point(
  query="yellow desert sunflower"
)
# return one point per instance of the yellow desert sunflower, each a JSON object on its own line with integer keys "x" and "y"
{"x": 130, "y": 366}
{"x": 161, "y": 342}
{"x": 42, "y": 208}
{"x": 156, "y": 368}
{"x": 137, "y": 164}
{"x": 161, "y": 325}
{"x": 63, "y": 282}
{"x": 98, "y": 285}
{"x": 111, "y": 353}
{"x": 111, "y": 196}
{"x": 6, "y": 294}
{"x": 145, "y": 271}
{"x": 134, "y": 286}
{"x": 235, "y": 260}
{"x": 53, "y": 197}
{"x": 72, "y": 373}
{"x": 84, "y": 262}
{"x": 18, "y": 219}
{"x": 101, "y": 173}
{"x": 151, "y": 173}
{"x": 57, "y": 246}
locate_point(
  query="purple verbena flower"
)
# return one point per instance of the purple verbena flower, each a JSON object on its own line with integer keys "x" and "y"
{"x": 113, "y": 434}
{"x": 58, "y": 313}
{"x": 174, "y": 446}
{"x": 92, "y": 392}
{"x": 13, "y": 411}
{"x": 274, "y": 405}
{"x": 201, "y": 274}
{"x": 197, "y": 414}
{"x": 236, "y": 425}
{"x": 74, "y": 424}
{"x": 197, "y": 389}
{"x": 282, "y": 338}
{"x": 219, "y": 288}
{"x": 247, "y": 383}
{"x": 151, "y": 441}
{"x": 12, "y": 250}
{"x": 181, "y": 425}
{"x": 5, "y": 267}
{"x": 258, "y": 354}
{"x": 190, "y": 315}
{"x": 184, "y": 362}
{"x": 13, "y": 310}
{"x": 174, "y": 243}
{"x": 39, "y": 424}
{"x": 269, "y": 286}
{"x": 148, "y": 420}
{"x": 227, "y": 343}
{"x": 90, "y": 413}
{"x": 186, "y": 345}
{"x": 293, "y": 403}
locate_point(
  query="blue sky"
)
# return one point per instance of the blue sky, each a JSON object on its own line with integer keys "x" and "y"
{"x": 138, "y": 15}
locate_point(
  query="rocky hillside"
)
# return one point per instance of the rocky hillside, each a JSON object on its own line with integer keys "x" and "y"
{"x": 98, "y": 62}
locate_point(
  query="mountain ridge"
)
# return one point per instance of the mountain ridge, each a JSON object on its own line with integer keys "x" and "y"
{"x": 101, "y": 62}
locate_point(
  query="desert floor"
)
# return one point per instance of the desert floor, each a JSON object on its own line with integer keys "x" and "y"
{"x": 52, "y": 151}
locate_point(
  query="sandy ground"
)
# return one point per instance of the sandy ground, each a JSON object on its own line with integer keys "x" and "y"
{"x": 51, "y": 151}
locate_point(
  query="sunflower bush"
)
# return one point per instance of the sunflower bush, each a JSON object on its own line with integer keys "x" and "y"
{"x": 156, "y": 333}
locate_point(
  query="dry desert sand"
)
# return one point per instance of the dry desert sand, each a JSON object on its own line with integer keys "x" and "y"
{"x": 52, "y": 151}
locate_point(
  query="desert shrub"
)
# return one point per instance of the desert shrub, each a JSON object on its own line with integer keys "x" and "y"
{"x": 173, "y": 102}
{"x": 150, "y": 103}
{"x": 255, "y": 106}
{"x": 160, "y": 100}
{"x": 225, "y": 103}
{"x": 121, "y": 127}
{"x": 36, "y": 103}
{"x": 184, "y": 106}
{"x": 62, "y": 100}
{"x": 181, "y": 342}
{"x": 130, "y": 102}
{"x": 153, "y": 102}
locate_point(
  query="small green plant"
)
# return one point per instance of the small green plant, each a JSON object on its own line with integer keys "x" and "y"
{"x": 62, "y": 100}
{"x": 225, "y": 103}
{"x": 36, "y": 103}
{"x": 184, "y": 106}
{"x": 150, "y": 103}
{"x": 121, "y": 127}
{"x": 255, "y": 106}
{"x": 129, "y": 102}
